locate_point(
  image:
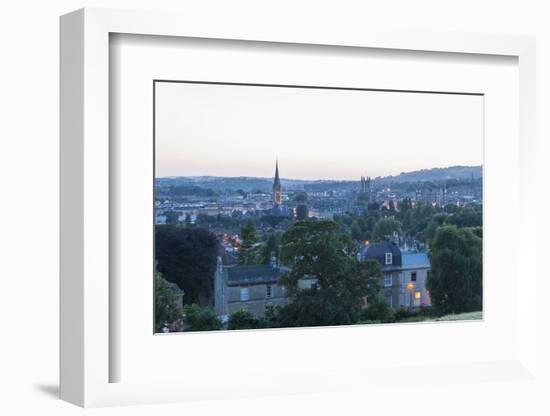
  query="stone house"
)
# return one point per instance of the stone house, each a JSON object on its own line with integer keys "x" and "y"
{"x": 404, "y": 273}
{"x": 253, "y": 288}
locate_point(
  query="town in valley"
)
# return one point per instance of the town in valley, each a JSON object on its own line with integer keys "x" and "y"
{"x": 252, "y": 252}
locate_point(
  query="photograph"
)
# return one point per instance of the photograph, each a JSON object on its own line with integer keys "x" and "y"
{"x": 285, "y": 206}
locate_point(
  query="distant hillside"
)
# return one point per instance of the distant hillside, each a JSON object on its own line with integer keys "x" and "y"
{"x": 250, "y": 184}
{"x": 436, "y": 174}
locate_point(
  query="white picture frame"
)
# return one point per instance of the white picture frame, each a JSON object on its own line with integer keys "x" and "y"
{"x": 85, "y": 211}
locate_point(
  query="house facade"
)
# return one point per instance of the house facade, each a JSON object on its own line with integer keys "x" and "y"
{"x": 404, "y": 274}
{"x": 253, "y": 288}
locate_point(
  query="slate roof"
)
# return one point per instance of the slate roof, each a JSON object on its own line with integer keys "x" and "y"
{"x": 415, "y": 260}
{"x": 229, "y": 259}
{"x": 255, "y": 274}
{"x": 377, "y": 251}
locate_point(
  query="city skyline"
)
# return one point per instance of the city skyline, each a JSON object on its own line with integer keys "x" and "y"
{"x": 317, "y": 134}
{"x": 328, "y": 179}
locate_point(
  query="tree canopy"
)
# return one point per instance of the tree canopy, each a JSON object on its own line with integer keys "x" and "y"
{"x": 200, "y": 319}
{"x": 187, "y": 257}
{"x": 166, "y": 309}
{"x": 385, "y": 227}
{"x": 248, "y": 253}
{"x": 301, "y": 212}
{"x": 319, "y": 250}
{"x": 455, "y": 280}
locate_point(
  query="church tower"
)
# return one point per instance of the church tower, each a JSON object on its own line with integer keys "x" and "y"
{"x": 368, "y": 189}
{"x": 276, "y": 186}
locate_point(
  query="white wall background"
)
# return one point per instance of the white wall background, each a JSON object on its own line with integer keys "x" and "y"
{"x": 29, "y": 206}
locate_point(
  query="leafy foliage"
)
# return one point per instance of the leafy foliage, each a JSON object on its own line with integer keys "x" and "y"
{"x": 200, "y": 319}
{"x": 455, "y": 281}
{"x": 247, "y": 251}
{"x": 187, "y": 257}
{"x": 301, "y": 212}
{"x": 320, "y": 250}
{"x": 271, "y": 247}
{"x": 377, "y": 310}
{"x": 243, "y": 319}
{"x": 385, "y": 227}
{"x": 171, "y": 217}
{"x": 301, "y": 197}
{"x": 167, "y": 310}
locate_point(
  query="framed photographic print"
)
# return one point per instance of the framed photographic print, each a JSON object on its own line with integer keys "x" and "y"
{"x": 246, "y": 212}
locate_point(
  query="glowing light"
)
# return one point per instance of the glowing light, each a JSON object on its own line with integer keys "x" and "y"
{"x": 417, "y": 295}
{"x": 410, "y": 285}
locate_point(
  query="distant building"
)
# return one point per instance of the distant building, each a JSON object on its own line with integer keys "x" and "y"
{"x": 277, "y": 197}
{"x": 253, "y": 288}
{"x": 432, "y": 196}
{"x": 365, "y": 192}
{"x": 404, "y": 274}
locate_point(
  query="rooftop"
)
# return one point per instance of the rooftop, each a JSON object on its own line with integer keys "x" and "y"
{"x": 414, "y": 260}
{"x": 254, "y": 274}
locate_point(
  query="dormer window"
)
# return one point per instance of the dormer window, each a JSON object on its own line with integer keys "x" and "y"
{"x": 389, "y": 258}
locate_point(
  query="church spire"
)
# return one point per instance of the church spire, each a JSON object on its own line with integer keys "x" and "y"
{"x": 277, "y": 197}
{"x": 277, "y": 180}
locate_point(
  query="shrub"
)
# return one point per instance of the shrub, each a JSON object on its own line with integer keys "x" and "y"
{"x": 379, "y": 310}
{"x": 200, "y": 319}
{"x": 404, "y": 313}
{"x": 243, "y": 319}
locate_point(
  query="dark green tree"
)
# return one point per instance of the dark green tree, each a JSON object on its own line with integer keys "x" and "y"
{"x": 377, "y": 310}
{"x": 437, "y": 221}
{"x": 271, "y": 247}
{"x": 301, "y": 197}
{"x": 467, "y": 217}
{"x": 167, "y": 310}
{"x": 356, "y": 231}
{"x": 244, "y": 319}
{"x": 319, "y": 250}
{"x": 171, "y": 217}
{"x": 301, "y": 212}
{"x": 200, "y": 319}
{"x": 248, "y": 253}
{"x": 187, "y": 257}
{"x": 272, "y": 220}
{"x": 385, "y": 227}
{"x": 455, "y": 280}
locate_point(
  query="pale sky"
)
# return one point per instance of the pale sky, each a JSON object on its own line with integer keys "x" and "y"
{"x": 228, "y": 130}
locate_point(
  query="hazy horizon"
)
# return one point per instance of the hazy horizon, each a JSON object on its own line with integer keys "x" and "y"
{"x": 316, "y": 134}
{"x": 310, "y": 179}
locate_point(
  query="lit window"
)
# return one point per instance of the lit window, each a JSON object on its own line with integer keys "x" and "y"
{"x": 388, "y": 281}
{"x": 244, "y": 294}
{"x": 268, "y": 291}
{"x": 413, "y": 277}
{"x": 417, "y": 295}
{"x": 389, "y": 258}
